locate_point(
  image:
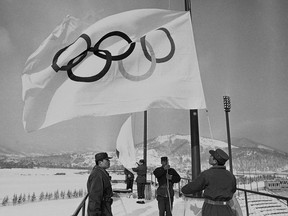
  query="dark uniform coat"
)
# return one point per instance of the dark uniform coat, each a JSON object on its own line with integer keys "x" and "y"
{"x": 141, "y": 180}
{"x": 128, "y": 175}
{"x": 129, "y": 179}
{"x": 219, "y": 185}
{"x": 100, "y": 193}
{"x": 165, "y": 192}
{"x": 141, "y": 171}
{"x": 160, "y": 174}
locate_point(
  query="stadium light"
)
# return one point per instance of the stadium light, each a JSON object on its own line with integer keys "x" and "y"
{"x": 227, "y": 108}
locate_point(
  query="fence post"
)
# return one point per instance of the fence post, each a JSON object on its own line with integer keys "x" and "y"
{"x": 246, "y": 201}
{"x": 83, "y": 209}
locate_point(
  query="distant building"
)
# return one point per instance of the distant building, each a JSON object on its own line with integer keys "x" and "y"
{"x": 276, "y": 184}
{"x": 272, "y": 185}
{"x": 284, "y": 183}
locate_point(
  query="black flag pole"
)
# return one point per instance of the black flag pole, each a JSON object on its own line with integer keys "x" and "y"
{"x": 194, "y": 127}
{"x": 195, "y": 144}
{"x": 145, "y": 138}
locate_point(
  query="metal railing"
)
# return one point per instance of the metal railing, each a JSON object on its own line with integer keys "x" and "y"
{"x": 247, "y": 196}
{"x": 257, "y": 197}
{"x": 82, "y": 206}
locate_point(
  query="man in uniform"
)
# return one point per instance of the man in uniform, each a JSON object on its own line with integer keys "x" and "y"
{"x": 218, "y": 184}
{"x": 166, "y": 177}
{"x": 141, "y": 171}
{"x": 99, "y": 187}
{"x": 129, "y": 179}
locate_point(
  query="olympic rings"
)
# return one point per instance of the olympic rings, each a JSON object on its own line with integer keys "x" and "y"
{"x": 70, "y": 66}
{"x": 164, "y": 59}
{"x": 119, "y": 57}
{"x": 95, "y": 77}
{"x": 144, "y": 76}
{"x": 105, "y": 54}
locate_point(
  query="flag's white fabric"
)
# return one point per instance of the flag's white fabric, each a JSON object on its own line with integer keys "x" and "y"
{"x": 160, "y": 70}
{"x": 125, "y": 145}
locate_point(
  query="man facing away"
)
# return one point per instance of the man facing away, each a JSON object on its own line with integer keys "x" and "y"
{"x": 99, "y": 187}
{"x": 218, "y": 184}
{"x": 141, "y": 171}
{"x": 166, "y": 177}
{"x": 129, "y": 179}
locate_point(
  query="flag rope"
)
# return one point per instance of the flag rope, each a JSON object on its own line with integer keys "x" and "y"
{"x": 209, "y": 123}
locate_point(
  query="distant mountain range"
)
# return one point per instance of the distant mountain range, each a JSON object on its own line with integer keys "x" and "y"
{"x": 247, "y": 155}
{"x": 244, "y": 142}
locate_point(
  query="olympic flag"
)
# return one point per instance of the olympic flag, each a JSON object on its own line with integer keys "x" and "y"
{"x": 125, "y": 145}
{"x": 128, "y": 62}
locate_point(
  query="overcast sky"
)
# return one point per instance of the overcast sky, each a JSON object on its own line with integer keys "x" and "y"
{"x": 242, "y": 52}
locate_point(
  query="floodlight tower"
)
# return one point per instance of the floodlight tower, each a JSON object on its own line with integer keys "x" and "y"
{"x": 227, "y": 108}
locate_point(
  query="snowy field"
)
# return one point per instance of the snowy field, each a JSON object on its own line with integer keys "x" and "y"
{"x": 47, "y": 180}
{"x": 45, "y": 208}
{"x": 28, "y": 181}
{"x": 123, "y": 206}
{"x": 43, "y": 180}
{"x": 40, "y": 180}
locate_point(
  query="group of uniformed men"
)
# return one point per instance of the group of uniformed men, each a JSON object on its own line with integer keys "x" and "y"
{"x": 218, "y": 185}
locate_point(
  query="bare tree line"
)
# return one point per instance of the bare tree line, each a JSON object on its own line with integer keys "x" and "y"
{"x": 28, "y": 198}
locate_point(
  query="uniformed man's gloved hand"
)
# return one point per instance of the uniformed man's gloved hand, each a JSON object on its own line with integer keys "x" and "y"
{"x": 166, "y": 167}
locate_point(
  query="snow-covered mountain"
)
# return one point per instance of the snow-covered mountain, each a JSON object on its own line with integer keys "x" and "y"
{"x": 176, "y": 147}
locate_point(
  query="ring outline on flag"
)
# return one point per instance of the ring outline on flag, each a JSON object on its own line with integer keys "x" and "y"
{"x": 96, "y": 77}
{"x": 143, "y": 76}
{"x": 109, "y": 58}
{"x": 164, "y": 59}
{"x": 121, "y": 56}
{"x": 70, "y": 66}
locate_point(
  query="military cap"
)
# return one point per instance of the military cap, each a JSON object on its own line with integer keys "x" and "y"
{"x": 219, "y": 155}
{"x": 164, "y": 158}
{"x": 101, "y": 156}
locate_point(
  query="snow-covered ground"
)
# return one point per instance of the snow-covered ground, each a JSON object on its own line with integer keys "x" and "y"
{"x": 24, "y": 181}
{"x": 27, "y": 181}
{"x": 123, "y": 206}
{"x": 44, "y": 208}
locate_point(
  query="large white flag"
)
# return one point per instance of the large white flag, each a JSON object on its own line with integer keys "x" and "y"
{"x": 125, "y": 63}
{"x": 125, "y": 148}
